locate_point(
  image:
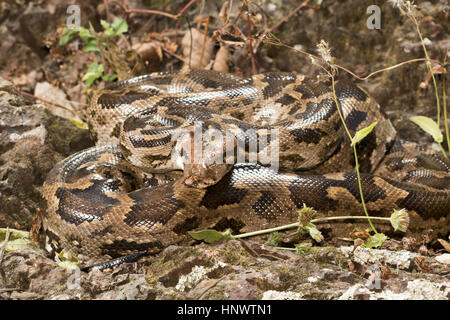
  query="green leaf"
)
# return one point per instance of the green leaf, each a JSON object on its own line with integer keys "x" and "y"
{"x": 361, "y": 134}
{"x": 104, "y": 24}
{"x": 312, "y": 230}
{"x": 273, "y": 240}
{"x": 94, "y": 72}
{"x": 119, "y": 26}
{"x": 209, "y": 235}
{"x": 17, "y": 240}
{"x": 109, "y": 77}
{"x": 86, "y": 35}
{"x": 79, "y": 123}
{"x": 429, "y": 126}
{"x": 91, "y": 46}
{"x": 375, "y": 241}
{"x": 18, "y": 244}
{"x": 303, "y": 248}
{"x": 67, "y": 260}
{"x": 67, "y": 35}
{"x": 14, "y": 234}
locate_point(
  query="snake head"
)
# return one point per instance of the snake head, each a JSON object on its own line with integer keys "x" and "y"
{"x": 203, "y": 160}
{"x": 201, "y": 177}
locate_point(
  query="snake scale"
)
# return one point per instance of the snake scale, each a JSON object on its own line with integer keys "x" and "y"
{"x": 135, "y": 191}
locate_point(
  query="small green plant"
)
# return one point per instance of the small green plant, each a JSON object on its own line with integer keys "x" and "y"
{"x": 407, "y": 8}
{"x": 273, "y": 240}
{"x": 303, "y": 248}
{"x": 91, "y": 44}
{"x": 330, "y": 69}
{"x": 399, "y": 220}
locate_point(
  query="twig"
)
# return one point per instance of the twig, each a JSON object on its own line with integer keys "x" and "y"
{"x": 286, "y": 18}
{"x": 43, "y": 100}
{"x": 381, "y": 70}
{"x": 205, "y": 37}
{"x": 3, "y": 248}
{"x": 182, "y": 11}
{"x": 279, "y": 43}
{"x": 10, "y": 289}
{"x": 106, "y": 4}
{"x": 250, "y": 44}
{"x": 123, "y": 6}
{"x": 174, "y": 55}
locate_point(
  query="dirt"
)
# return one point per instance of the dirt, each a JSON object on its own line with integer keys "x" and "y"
{"x": 35, "y": 135}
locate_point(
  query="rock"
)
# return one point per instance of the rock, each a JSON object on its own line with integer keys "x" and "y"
{"x": 46, "y": 91}
{"x": 444, "y": 258}
{"x": 32, "y": 141}
{"x": 279, "y": 295}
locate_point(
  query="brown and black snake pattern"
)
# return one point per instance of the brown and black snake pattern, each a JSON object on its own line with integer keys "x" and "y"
{"x": 127, "y": 194}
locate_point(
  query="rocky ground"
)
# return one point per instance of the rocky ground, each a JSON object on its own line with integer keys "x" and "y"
{"x": 35, "y": 135}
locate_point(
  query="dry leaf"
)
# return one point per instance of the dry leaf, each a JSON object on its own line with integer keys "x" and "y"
{"x": 221, "y": 61}
{"x": 193, "y": 53}
{"x": 445, "y": 244}
{"x": 421, "y": 265}
{"x": 438, "y": 69}
{"x": 224, "y": 13}
{"x": 361, "y": 234}
{"x": 149, "y": 51}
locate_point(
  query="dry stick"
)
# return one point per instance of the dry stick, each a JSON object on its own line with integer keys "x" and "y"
{"x": 381, "y": 70}
{"x": 3, "y": 248}
{"x": 286, "y": 18}
{"x": 174, "y": 55}
{"x": 43, "y": 100}
{"x": 125, "y": 9}
{"x": 156, "y": 12}
{"x": 182, "y": 11}
{"x": 106, "y": 4}
{"x": 350, "y": 72}
{"x": 250, "y": 44}
{"x": 445, "y": 112}
{"x": 205, "y": 37}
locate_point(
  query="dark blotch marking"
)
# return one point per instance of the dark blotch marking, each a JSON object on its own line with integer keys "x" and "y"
{"x": 77, "y": 206}
{"x": 276, "y": 83}
{"x": 308, "y": 135}
{"x": 286, "y": 99}
{"x": 150, "y": 207}
{"x": 262, "y": 205}
{"x": 355, "y": 118}
{"x": 306, "y": 91}
{"x": 132, "y": 123}
{"x": 428, "y": 204}
{"x": 312, "y": 190}
{"x": 114, "y": 100}
{"x": 116, "y": 130}
{"x": 119, "y": 247}
{"x": 139, "y": 142}
{"x": 223, "y": 193}
{"x": 347, "y": 89}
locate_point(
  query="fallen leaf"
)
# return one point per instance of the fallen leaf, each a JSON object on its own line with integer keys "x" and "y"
{"x": 192, "y": 50}
{"x": 221, "y": 60}
{"x": 445, "y": 244}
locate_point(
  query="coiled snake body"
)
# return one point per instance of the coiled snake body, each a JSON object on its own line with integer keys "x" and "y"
{"x": 129, "y": 193}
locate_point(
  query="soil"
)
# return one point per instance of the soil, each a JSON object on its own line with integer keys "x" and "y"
{"x": 35, "y": 135}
